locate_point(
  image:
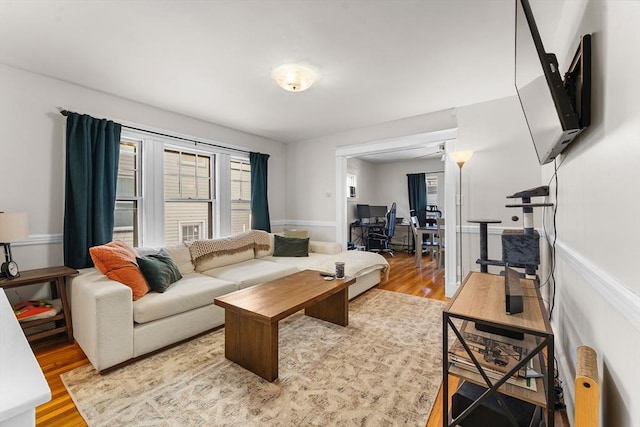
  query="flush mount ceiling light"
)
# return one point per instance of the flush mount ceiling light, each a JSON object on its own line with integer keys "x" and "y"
{"x": 294, "y": 77}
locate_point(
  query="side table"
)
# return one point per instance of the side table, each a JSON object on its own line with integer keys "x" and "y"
{"x": 480, "y": 299}
{"x": 56, "y": 276}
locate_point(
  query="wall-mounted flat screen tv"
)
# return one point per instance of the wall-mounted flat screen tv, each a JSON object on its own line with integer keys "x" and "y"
{"x": 556, "y": 111}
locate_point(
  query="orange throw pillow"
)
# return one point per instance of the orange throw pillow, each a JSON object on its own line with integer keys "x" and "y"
{"x": 117, "y": 261}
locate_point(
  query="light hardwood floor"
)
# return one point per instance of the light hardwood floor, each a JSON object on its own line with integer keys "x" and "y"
{"x": 56, "y": 356}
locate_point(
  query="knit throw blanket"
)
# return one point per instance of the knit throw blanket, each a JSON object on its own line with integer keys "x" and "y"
{"x": 202, "y": 250}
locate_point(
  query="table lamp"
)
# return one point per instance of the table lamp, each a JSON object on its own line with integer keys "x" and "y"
{"x": 13, "y": 227}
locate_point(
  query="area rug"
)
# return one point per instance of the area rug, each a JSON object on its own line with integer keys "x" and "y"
{"x": 384, "y": 369}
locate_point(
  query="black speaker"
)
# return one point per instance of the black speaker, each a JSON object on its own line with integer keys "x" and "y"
{"x": 490, "y": 413}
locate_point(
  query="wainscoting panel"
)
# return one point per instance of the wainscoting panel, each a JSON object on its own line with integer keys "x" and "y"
{"x": 615, "y": 293}
{"x": 40, "y": 239}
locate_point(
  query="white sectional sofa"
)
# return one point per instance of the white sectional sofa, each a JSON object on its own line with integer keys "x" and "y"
{"x": 112, "y": 329}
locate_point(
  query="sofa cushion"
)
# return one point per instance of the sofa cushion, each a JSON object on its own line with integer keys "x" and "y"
{"x": 251, "y": 272}
{"x": 192, "y": 291}
{"x": 298, "y": 234}
{"x": 265, "y": 250}
{"x": 181, "y": 256}
{"x": 290, "y": 247}
{"x": 325, "y": 247}
{"x": 146, "y": 251}
{"x": 179, "y": 253}
{"x": 117, "y": 261}
{"x": 159, "y": 270}
{"x": 357, "y": 263}
{"x": 300, "y": 263}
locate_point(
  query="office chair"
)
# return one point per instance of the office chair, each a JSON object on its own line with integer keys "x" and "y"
{"x": 383, "y": 239}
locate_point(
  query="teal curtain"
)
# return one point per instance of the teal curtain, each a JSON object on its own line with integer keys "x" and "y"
{"x": 259, "y": 203}
{"x": 418, "y": 195}
{"x": 92, "y": 154}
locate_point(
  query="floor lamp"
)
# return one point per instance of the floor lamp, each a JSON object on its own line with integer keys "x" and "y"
{"x": 460, "y": 157}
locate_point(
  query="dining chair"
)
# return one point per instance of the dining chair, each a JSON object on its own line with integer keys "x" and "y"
{"x": 441, "y": 246}
{"x": 429, "y": 245}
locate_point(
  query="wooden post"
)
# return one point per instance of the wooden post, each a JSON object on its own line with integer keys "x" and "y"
{"x": 587, "y": 389}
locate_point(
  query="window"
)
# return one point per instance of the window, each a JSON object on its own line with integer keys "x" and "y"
{"x": 352, "y": 185}
{"x": 240, "y": 196}
{"x": 432, "y": 190}
{"x": 166, "y": 191}
{"x": 191, "y": 231}
{"x": 126, "y": 226}
{"x": 188, "y": 194}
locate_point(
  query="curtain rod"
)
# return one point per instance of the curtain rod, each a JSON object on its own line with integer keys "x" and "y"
{"x": 66, "y": 113}
{"x": 426, "y": 173}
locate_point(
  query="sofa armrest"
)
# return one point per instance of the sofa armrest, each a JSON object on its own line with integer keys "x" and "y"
{"x": 102, "y": 317}
{"x": 330, "y": 248}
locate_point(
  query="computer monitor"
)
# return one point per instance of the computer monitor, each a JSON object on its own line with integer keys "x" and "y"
{"x": 378, "y": 211}
{"x": 363, "y": 212}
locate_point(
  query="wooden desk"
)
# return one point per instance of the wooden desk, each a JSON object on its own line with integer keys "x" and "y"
{"x": 56, "y": 276}
{"x": 420, "y": 233}
{"x": 403, "y": 237}
{"x": 481, "y": 299}
{"x": 362, "y": 232}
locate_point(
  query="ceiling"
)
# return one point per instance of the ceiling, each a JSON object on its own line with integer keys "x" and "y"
{"x": 378, "y": 61}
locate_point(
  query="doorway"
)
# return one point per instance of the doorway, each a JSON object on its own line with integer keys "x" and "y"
{"x": 445, "y": 137}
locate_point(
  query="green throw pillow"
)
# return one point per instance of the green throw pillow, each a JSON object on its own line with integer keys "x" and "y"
{"x": 159, "y": 270}
{"x": 290, "y": 246}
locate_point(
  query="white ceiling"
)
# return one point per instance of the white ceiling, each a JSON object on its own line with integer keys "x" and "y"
{"x": 378, "y": 60}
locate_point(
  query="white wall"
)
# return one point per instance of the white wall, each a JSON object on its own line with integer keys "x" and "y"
{"x": 598, "y": 273}
{"x": 32, "y": 153}
{"x": 366, "y": 180}
{"x": 312, "y": 172}
{"x": 391, "y": 181}
{"x": 503, "y": 163}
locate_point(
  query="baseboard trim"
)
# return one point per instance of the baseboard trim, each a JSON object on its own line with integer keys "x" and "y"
{"x": 612, "y": 291}
{"x": 569, "y": 383}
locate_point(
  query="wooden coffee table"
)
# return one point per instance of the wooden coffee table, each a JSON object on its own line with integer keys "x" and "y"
{"x": 252, "y": 315}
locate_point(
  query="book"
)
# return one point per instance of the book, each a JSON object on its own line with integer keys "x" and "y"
{"x": 26, "y": 311}
{"x": 494, "y": 352}
{"x": 526, "y": 383}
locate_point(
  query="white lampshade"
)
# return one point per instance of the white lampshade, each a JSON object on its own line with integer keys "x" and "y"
{"x": 461, "y": 157}
{"x": 294, "y": 77}
{"x": 13, "y": 227}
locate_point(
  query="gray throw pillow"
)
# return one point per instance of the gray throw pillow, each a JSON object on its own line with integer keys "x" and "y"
{"x": 290, "y": 247}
